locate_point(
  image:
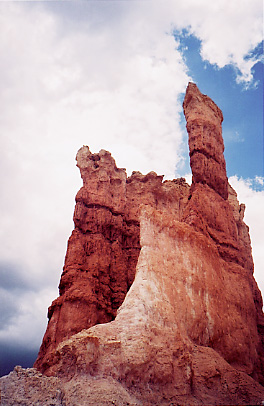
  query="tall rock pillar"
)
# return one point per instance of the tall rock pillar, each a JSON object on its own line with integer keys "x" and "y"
{"x": 204, "y": 119}
{"x": 209, "y": 209}
{"x": 213, "y": 208}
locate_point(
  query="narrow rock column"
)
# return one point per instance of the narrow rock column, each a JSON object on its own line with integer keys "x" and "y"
{"x": 204, "y": 119}
{"x": 213, "y": 208}
{"x": 208, "y": 209}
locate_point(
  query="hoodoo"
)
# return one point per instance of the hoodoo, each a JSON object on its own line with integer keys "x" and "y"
{"x": 158, "y": 304}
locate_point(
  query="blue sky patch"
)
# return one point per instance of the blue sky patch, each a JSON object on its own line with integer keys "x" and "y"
{"x": 242, "y": 107}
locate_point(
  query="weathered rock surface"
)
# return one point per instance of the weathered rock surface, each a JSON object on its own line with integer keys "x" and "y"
{"x": 28, "y": 387}
{"x": 158, "y": 304}
{"x": 103, "y": 249}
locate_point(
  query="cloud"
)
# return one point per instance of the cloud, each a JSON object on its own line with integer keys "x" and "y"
{"x": 12, "y": 279}
{"x": 259, "y": 180}
{"x": 96, "y": 84}
{"x": 229, "y": 31}
{"x": 105, "y": 74}
{"x": 8, "y": 309}
{"x": 24, "y": 316}
{"x": 254, "y": 200}
{"x": 91, "y": 86}
{"x": 22, "y": 301}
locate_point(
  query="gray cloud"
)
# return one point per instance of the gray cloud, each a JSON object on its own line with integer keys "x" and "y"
{"x": 12, "y": 279}
{"x": 9, "y": 308}
{"x": 13, "y": 286}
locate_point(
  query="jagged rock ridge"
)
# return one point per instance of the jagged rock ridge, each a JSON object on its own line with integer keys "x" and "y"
{"x": 157, "y": 298}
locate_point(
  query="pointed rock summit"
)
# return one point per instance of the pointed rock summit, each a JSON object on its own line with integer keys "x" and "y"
{"x": 158, "y": 304}
{"x": 212, "y": 207}
{"x": 206, "y": 145}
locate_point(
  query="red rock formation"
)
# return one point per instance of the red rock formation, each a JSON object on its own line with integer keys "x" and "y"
{"x": 103, "y": 249}
{"x": 189, "y": 328}
{"x": 206, "y": 144}
{"x": 101, "y": 256}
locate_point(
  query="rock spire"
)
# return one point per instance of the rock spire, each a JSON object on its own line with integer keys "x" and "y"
{"x": 206, "y": 143}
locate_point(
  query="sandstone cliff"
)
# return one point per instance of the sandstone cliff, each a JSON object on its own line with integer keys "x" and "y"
{"x": 158, "y": 304}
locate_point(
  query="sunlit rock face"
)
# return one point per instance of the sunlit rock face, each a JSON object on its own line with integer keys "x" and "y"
{"x": 158, "y": 304}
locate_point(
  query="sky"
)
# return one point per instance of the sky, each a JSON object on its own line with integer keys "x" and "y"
{"x": 111, "y": 75}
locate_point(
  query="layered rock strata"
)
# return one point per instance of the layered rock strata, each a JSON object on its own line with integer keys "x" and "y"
{"x": 158, "y": 303}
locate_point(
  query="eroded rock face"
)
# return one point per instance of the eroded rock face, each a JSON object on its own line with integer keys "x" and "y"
{"x": 29, "y": 387}
{"x": 103, "y": 249}
{"x": 157, "y": 291}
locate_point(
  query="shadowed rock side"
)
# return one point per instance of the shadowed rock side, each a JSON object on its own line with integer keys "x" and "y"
{"x": 158, "y": 304}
